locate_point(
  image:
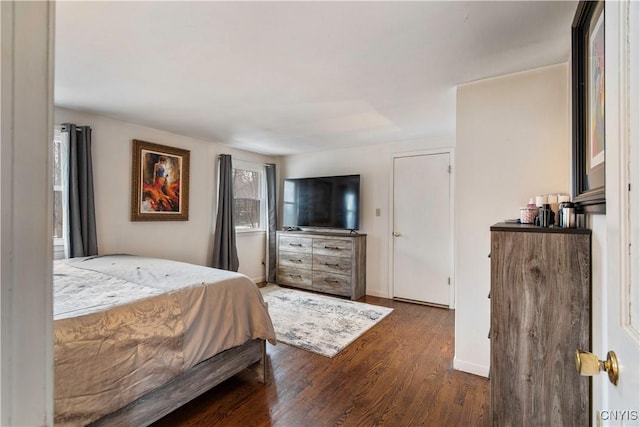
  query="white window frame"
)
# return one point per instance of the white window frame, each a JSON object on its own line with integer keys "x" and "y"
{"x": 261, "y": 169}
{"x": 60, "y": 244}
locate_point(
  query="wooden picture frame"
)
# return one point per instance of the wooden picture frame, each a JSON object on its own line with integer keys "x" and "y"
{"x": 159, "y": 182}
{"x": 588, "y": 114}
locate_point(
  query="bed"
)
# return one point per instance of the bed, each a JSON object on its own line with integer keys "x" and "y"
{"x": 137, "y": 337}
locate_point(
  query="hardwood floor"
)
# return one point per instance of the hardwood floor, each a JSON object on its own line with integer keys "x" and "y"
{"x": 399, "y": 373}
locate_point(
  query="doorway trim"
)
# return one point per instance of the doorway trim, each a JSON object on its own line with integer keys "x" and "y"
{"x": 452, "y": 249}
{"x": 26, "y": 227}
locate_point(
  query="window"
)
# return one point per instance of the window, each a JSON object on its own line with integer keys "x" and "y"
{"x": 57, "y": 189}
{"x": 248, "y": 193}
{"x": 60, "y": 205}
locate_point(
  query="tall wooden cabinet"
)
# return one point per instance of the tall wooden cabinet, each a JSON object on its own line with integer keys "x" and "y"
{"x": 333, "y": 263}
{"x": 540, "y": 314}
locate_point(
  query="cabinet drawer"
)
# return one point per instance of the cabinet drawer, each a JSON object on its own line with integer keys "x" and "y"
{"x": 295, "y": 277}
{"x": 297, "y": 244}
{"x": 336, "y": 284}
{"x": 294, "y": 259}
{"x": 333, "y": 247}
{"x": 332, "y": 264}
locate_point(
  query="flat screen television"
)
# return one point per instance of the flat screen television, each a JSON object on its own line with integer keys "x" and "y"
{"x": 329, "y": 202}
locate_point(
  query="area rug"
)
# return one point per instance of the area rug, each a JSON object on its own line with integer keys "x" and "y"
{"x": 317, "y": 323}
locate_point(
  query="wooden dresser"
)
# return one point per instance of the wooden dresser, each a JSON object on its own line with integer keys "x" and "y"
{"x": 540, "y": 314}
{"x": 334, "y": 263}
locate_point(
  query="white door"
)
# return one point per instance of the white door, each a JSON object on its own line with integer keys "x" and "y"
{"x": 621, "y": 304}
{"x": 421, "y": 228}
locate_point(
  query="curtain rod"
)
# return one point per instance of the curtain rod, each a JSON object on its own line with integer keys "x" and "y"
{"x": 245, "y": 161}
{"x": 63, "y": 127}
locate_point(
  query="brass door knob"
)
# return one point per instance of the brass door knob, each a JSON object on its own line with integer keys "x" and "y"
{"x": 396, "y": 234}
{"x": 589, "y": 365}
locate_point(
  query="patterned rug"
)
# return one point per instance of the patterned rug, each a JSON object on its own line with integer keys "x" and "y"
{"x": 317, "y": 323}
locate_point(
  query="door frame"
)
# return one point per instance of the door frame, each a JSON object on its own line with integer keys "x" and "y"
{"x": 26, "y": 230}
{"x": 612, "y": 327}
{"x": 452, "y": 249}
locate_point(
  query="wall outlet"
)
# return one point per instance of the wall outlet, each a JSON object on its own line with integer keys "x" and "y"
{"x": 377, "y": 211}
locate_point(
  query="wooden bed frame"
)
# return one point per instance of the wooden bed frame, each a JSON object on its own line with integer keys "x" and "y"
{"x": 189, "y": 385}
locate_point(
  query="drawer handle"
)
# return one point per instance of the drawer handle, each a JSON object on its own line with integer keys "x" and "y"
{"x": 293, "y": 276}
{"x": 295, "y": 260}
{"x": 331, "y": 281}
{"x": 336, "y": 248}
{"x": 331, "y": 265}
{"x": 295, "y": 244}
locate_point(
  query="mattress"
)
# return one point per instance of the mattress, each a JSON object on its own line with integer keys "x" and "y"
{"x": 125, "y": 325}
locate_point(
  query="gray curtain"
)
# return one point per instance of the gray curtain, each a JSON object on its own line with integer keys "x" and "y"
{"x": 82, "y": 214}
{"x": 225, "y": 253}
{"x": 272, "y": 219}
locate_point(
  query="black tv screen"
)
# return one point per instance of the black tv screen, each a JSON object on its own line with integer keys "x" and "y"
{"x": 331, "y": 202}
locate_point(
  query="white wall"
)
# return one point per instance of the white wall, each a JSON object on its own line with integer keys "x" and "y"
{"x": 189, "y": 241}
{"x": 374, "y": 164}
{"x": 512, "y": 143}
{"x": 252, "y": 254}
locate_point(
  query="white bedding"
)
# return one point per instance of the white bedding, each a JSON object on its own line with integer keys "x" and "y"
{"x": 125, "y": 325}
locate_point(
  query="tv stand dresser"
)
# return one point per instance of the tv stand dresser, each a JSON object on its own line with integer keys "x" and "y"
{"x": 333, "y": 263}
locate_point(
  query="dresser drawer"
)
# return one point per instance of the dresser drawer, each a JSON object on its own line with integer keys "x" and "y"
{"x": 295, "y": 277}
{"x": 336, "y": 284}
{"x": 333, "y": 247}
{"x": 297, "y": 244}
{"x": 332, "y": 264}
{"x": 294, "y": 260}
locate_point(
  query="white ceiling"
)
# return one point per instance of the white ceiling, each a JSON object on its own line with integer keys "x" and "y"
{"x": 289, "y": 77}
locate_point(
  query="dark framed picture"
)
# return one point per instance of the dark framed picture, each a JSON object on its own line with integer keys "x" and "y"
{"x": 159, "y": 183}
{"x": 588, "y": 109}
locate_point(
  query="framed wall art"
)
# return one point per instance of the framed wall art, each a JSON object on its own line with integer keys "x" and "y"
{"x": 588, "y": 109}
{"x": 159, "y": 182}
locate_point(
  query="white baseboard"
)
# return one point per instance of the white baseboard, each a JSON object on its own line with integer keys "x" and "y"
{"x": 378, "y": 294}
{"x": 259, "y": 279}
{"x": 471, "y": 368}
